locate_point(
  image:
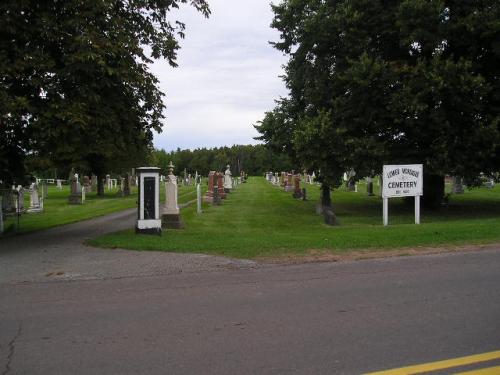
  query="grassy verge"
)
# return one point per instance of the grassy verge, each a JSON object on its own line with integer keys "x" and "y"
{"x": 260, "y": 220}
{"x": 57, "y": 210}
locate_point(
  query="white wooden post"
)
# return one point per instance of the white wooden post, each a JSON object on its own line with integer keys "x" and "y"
{"x": 198, "y": 198}
{"x": 417, "y": 209}
{"x": 385, "y": 210}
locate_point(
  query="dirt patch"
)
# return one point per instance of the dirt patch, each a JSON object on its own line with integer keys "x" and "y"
{"x": 325, "y": 255}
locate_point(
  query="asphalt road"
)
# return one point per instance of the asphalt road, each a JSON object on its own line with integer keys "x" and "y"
{"x": 230, "y": 317}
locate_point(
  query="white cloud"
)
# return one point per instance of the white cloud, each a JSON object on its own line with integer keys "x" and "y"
{"x": 227, "y": 76}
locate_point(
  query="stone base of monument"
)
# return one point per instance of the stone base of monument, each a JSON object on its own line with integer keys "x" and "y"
{"x": 171, "y": 221}
{"x": 155, "y": 231}
{"x": 75, "y": 199}
{"x": 148, "y": 227}
{"x": 289, "y": 188}
{"x": 297, "y": 194}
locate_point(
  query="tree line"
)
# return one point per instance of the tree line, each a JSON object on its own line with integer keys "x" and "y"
{"x": 251, "y": 159}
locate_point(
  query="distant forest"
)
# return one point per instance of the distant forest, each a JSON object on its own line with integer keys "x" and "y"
{"x": 252, "y": 159}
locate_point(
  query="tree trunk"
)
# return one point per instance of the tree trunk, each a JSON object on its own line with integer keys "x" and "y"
{"x": 433, "y": 191}
{"x": 326, "y": 200}
{"x": 100, "y": 185}
{"x": 326, "y": 206}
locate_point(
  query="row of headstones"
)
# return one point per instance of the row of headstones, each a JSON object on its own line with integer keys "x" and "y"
{"x": 281, "y": 179}
{"x": 220, "y": 184}
{"x": 290, "y": 182}
{"x": 188, "y": 179}
{"x": 78, "y": 190}
{"x": 287, "y": 180}
{"x": 13, "y": 199}
{"x": 153, "y": 218}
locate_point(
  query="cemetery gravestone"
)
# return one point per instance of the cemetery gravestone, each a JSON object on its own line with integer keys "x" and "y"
{"x": 7, "y": 201}
{"x": 59, "y": 184}
{"x": 86, "y": 182}
{"x": 297, "y": 192}
{"x": 132, "y": 178}
{"x": 228, "y": 182}
{"x": 220, "y": 185}
{"x": 457, "y": 187}
{"x": 20, "y": 199}
{"x": 216, "y": 197}
{"x": 369, "y": 186}
{"x": 171, "y": 214}
{"x": 209, "y": 197}
{"x": 351, "y": 182}
{"x": 75, "y": 196}
{"x": 35, "y": 201}
{"x": 198, "y": 198}
{"x": 126, "y": 187}
{"x": 148, "y": 215}
{"x": 289, "y": 182}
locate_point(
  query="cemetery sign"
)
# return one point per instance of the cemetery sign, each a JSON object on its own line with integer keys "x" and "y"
{"x": 402, "y": 181}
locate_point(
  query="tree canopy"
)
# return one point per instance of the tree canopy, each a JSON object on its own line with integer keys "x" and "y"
{"x": 376, "y": 82}
{"x": 75, "y": 82}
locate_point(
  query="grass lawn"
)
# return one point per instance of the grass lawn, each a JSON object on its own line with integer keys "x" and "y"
{"x": 57, "y": 210}
{"x": 261, "y": 220}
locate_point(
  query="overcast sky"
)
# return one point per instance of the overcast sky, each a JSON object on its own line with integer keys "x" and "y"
{"x": 226, "y": 79}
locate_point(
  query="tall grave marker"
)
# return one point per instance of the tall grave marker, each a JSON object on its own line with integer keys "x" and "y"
{"x": 228, "y": 181}
{"x": 171, "y": 214}
{"x": 148, "y": 215}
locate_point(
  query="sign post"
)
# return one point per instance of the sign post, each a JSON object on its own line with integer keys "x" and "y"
{"x": 402, "y": 181}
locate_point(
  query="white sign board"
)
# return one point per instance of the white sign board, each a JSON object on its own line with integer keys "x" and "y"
{"x": 402, "y": 181}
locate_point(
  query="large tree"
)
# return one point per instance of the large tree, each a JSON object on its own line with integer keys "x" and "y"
{"x": 75, "y": 83}
{"x": 374, "y": 82}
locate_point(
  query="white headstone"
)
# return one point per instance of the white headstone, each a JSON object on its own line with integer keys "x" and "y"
{"x": 19, "y": 203}
{"x": 34, "y": 198}
{"x": 36, "y": 202}
{"x": 228, "y": 182}
{"x": 171, "y": 207}
{"x": 198, "y": 198}
{"x": 59, "y": 185}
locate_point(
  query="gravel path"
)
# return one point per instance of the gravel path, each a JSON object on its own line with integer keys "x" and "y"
{"x": 59, "y": 254}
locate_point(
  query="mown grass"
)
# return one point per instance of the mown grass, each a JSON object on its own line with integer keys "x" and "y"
{"x": 57, "y": 210}
{"x": 261, "y": 220}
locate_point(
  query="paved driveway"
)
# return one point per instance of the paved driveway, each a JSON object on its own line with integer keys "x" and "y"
{"x": 59, "y": 254}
